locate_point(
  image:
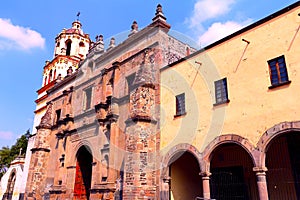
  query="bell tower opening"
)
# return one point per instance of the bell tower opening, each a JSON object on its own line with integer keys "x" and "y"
{"x": 68, "y": 45}
{"x": 83, "y": 175}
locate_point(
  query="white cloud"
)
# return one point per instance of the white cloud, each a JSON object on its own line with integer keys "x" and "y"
{"x": 214, "y": 11}
{"x": 17, "y": 37}
{"x": 208, "y": 9}
{"x": 6, "y": 135}
{"x": 220, "y": 30}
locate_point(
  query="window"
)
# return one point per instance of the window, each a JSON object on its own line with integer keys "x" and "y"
{"x": 88, "y": 98}
{"x": 221, "y": 93}
{"x": 62, "y": 160}
{"x": 180, "y": 105}
{"x": 68, "y": 44}
{"x": 58, "y": 113}
{"x": 50, "y": 76}
{"x": 278, "y": 71}
{"x": 81, "y": 44}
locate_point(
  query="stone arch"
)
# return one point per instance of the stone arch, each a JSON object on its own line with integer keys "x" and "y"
{"x": 179, "y": 179}
{"x": 83, "y": 173}
{"x": 270, "y": 134}
{"x": 10, "y": 184}
{"x": 171, "y": 154}
{"x": 80, "y": 144}
{"x": 229, "y": 138}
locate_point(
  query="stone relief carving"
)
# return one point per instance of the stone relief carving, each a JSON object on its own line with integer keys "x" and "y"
{"x": 142, "y": 102}
{"x": 46, "y": 119}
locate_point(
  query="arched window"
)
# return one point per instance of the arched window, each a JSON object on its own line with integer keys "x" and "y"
{"x": 81, "y": 44}
{"x": 81, "y": 49}
{"x": 50, "y": 76}
{"x": 68, "y": 45}
{"x": 54, "y": 77}
{"x": 45, "y": 81}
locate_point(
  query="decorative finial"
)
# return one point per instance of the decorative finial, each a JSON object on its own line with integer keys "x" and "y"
{"x": 78, "y": 14}
{"x": 99, "y": 38}
{"x": 134, "y": 28}
{"x": 69, "y": 71}
{"x": 111, "y": 43}
{"x": 159, "y": 9}
{"x": 159, "y": 20}
{"x": 99, "y": 43}
{"x": 20, "y": 152}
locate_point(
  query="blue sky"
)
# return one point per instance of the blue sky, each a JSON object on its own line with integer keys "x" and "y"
{"x": 28, "y": 29}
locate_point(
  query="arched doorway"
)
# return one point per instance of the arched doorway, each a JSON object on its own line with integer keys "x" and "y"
{"x": 83, "y": 173}
{"x": 283, "y": 164}
{"x": 232, "y": 175}
{"x": 10, "y": 186}
{"x": 186, "y": 183}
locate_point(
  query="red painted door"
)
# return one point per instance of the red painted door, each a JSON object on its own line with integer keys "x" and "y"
{"x": 79, "y": 188}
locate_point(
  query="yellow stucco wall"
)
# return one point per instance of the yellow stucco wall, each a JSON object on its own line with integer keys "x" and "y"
{"x": 253, "y": 107}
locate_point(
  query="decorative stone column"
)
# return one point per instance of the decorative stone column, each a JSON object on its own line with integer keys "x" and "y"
{"x": 140, "y": 169}
{"x": 205, "y": 184}
{"x": 261, "y": 182}
{"x": 165, "y": 194}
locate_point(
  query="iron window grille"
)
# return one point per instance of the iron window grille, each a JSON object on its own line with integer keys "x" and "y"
{"x": 278, "y": 71}
{"x": 221, "y": 92}
{"x": 180, "y": 104}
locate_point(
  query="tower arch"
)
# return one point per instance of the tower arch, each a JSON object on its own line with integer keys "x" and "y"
{"x": 68, "y": 47}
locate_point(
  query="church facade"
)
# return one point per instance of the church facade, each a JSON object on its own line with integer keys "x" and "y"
{"x": 151, "y": 118}
{"x": 97, "y": 117}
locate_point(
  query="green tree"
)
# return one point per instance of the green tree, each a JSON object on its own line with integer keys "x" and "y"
{"x": 5, "y": 160}
{"x": 21, "y": 144}
{"x": 7, "y": 155}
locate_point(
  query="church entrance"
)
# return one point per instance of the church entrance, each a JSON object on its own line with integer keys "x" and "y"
{"x": 83, "y": 174}
{"x": 283, "y": 164}
{"x": 232, "y": 177}
{"x": 186, "y": 183}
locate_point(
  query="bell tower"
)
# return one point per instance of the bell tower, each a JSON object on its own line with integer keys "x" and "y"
{"x": 72, "y": 42}
{"x": 71, "y": 47}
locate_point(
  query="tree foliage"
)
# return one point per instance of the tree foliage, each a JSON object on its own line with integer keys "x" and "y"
{"x": 8, "y": 154}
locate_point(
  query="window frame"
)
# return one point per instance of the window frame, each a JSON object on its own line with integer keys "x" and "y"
{"x": 223, "y": 91}
{"x": 58, "y": 116}
{"x": 85, "y": 100}
{"x": 279, "y": 73}
{"x": 180, "y": 108}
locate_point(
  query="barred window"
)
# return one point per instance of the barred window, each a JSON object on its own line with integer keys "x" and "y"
{"x": 180, "y": 104}
{"x": 278, "y": 71}
{"x": 221, "y": 92}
